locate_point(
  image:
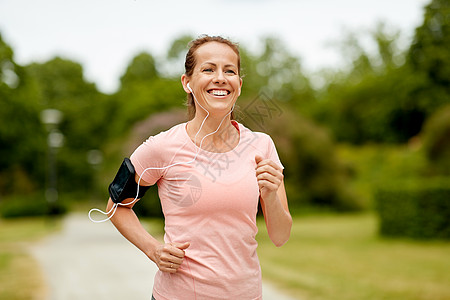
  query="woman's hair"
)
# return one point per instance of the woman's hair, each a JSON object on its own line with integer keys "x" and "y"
{"x": 191, "y": 61}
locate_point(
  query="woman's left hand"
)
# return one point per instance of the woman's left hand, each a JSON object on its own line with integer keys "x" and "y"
{"x": 269, "y": 176}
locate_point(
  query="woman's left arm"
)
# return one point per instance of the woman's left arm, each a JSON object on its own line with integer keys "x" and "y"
{"x": 273, "y": 200}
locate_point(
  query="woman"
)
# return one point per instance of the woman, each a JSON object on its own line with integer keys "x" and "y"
{"x": 210, "y": 172}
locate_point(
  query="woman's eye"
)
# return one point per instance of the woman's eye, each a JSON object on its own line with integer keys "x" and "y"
{"x": 230, "y": 72}
{"x": 207, "y": 70}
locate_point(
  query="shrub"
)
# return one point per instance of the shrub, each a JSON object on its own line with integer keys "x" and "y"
{"x": 149, "y": 205}
{"x": 415, "y": 209}
{"x": 314, "y": 174}
{"x": 29, "y": 206}
{"x": 436, "y": 140}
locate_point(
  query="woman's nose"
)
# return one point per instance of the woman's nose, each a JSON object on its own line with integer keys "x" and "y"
{"x": 219, "y": 78}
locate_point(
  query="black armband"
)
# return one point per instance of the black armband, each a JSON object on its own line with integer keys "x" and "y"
{"x": 124, "y": 184}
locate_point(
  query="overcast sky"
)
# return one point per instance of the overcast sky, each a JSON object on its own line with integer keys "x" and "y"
{"x": 104, "y": 35}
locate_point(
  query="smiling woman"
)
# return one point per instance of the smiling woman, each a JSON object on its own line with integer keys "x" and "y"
{"x": 231, "y": 52}
{"x": 210, "y": 206}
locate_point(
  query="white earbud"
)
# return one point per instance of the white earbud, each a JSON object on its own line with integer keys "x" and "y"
{"x": 188, "y": 86}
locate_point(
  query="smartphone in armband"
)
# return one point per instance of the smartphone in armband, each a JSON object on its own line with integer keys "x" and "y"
{"x": 124, "y": 185}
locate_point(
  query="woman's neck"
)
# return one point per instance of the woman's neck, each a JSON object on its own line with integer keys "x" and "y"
{"x": 225, "y": 138}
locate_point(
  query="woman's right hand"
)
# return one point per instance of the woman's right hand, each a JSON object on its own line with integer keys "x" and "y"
{"x": 168, "y": 257}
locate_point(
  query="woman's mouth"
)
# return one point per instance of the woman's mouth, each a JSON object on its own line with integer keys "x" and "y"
{"x": 218, "y": 93}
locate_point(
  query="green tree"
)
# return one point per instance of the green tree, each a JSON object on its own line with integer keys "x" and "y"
{"x": 314, "y": 174}
{"x": 276, "y": 72}
{"x": 382, "y": 97}
{"x": 387, "y": 96}
{"x": 141, "y": 70}
{"x": 363, "y": 103}
{"x": 429, "y": 59}
{"x": 61, "y": 85}
{"x": 143, "y": 91}
{"x": 429, "y": 51}
{"x": 22, "y": 137}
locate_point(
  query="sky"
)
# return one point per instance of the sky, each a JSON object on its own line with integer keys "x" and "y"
{"x": 104, "y": 35}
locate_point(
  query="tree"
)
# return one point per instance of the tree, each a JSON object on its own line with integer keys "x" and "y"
{"x": 365, "y": 102}
{"x": 429, "y": 51}
{"x": 61, "y": 85}
{"x": 314, "y": 175}
{"x": 429, "y": 59}
{"x": 22, "y": 136}
{"x": 143, "y": 91}
{"x": 141, "y": 69}
{"x": 383, "y": 97}
{"x": 277, "y": 73}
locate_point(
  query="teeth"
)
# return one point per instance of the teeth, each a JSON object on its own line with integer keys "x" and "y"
{"x": 219, "y": 92}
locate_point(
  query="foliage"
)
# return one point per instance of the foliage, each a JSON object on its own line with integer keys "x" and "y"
{"x": 373, "y": 109}
{"x": 436, "y": 140}
{"x": 372, "y": 165}
{"x": 149, "y": 205}
{"x": 429, "y": 51}
{"x": 22, "y": 137}
{"x": 61, "y": 85}
{"x": 314, "y": 175}
{"x": 388, "y": 95}
{"x": 275, "y": 87}
{"x": 383, "y": 96}
{"x": 277, "y": 73}
{"x": 416, "y": 209}
{"x": 370, "y": 101}
{"x": 143, "y": 92}
{"x": 31, "y": 205}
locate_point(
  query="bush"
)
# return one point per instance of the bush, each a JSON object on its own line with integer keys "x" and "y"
{"x": 415, "y": 209}
{"x": 29, "y": 206}
{"x": 149, "y": 205}
{"x": 314, "y": 174}
{"x": 436, "y": 140}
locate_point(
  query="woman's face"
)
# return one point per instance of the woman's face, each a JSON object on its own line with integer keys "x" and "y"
{"x": 215, "y": 81}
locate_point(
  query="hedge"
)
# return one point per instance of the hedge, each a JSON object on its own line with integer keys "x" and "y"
{"x": 415, "y": 209}
{"x": 30, "y": 206}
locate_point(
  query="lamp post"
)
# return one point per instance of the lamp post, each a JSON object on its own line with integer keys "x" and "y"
{"x": 55, "y": 139}
{"x": 94, "y": 158}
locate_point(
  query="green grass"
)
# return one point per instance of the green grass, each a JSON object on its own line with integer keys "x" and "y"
{"x": 20, "y": 275}
{"x": 327, "y": 257}
{"x": 342, "y": 257}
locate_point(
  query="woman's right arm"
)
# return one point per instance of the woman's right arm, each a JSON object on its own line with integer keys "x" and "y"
{"x": 168, "y": 257}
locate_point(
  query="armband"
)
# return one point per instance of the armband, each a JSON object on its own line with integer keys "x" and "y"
{"x": 124, "y": 184}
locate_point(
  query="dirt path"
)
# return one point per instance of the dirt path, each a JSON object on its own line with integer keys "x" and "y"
{"x": 93, "y": 261}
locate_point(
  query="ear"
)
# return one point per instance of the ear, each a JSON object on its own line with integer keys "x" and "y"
{"x": 240, "y": 86}
{"x": 184, "y": 82}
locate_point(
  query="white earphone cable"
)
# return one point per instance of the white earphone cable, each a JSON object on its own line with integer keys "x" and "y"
{"x": 116, "y": 205}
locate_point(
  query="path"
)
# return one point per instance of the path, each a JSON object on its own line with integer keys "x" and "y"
{"x": 93, "y": 261}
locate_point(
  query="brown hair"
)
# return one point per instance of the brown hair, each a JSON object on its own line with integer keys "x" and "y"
{"x": 191, "y": 61}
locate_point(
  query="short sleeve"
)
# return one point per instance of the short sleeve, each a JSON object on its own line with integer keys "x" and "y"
{"x": 272, "y": 152}
{"x": 146, "y": 160}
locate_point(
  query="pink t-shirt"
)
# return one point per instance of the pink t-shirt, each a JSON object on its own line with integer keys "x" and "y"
{"x": 210, "y": 202}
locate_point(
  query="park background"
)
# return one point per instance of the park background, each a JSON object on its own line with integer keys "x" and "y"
{"x": 365, "y": 144}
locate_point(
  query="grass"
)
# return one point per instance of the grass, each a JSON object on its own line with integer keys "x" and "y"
{"x": 341, "y": 257}
{"x": 20, "y": 275}
{"x": 327, "y": 257}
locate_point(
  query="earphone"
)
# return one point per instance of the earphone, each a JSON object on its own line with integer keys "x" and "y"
{"x": 115, "y": 205}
